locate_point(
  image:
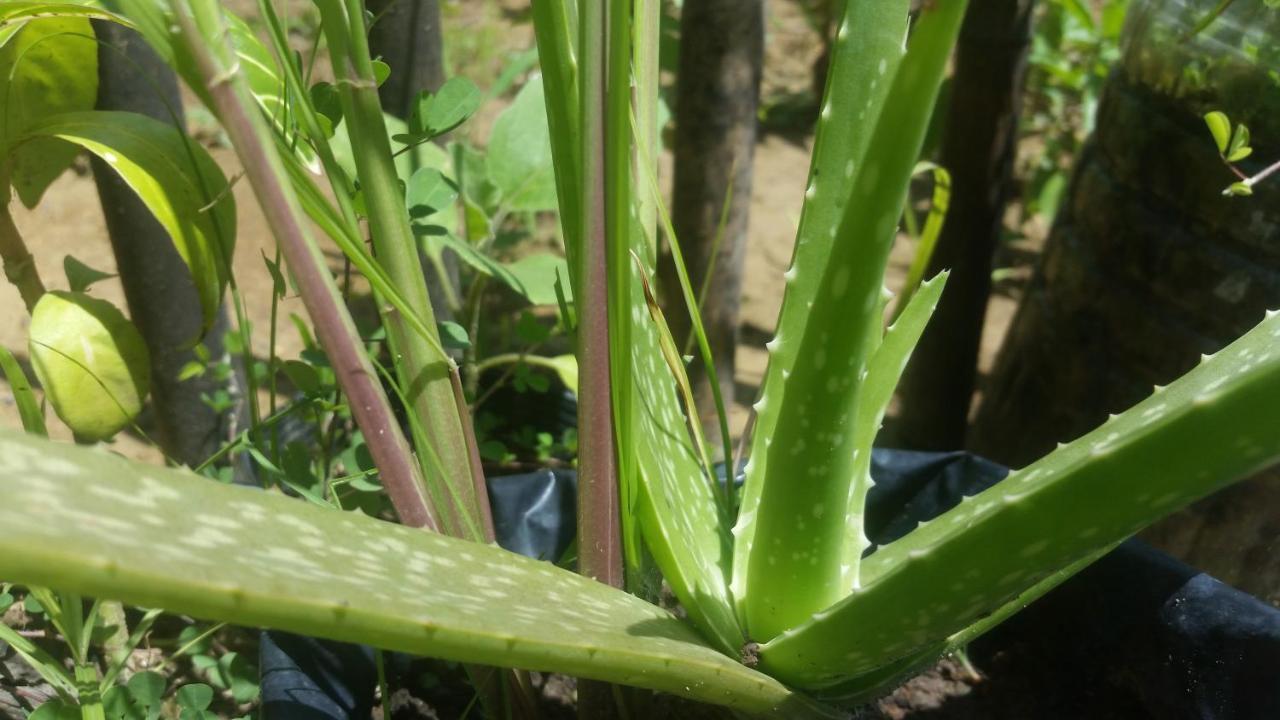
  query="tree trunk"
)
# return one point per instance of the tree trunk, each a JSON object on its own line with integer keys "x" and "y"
{"x": 1147, "y": 267}
{"x": 407, "y": 36}
{"x": 162, "y": 298}
{"x": 721, "y": 53}
{"x": 978, "y": 148}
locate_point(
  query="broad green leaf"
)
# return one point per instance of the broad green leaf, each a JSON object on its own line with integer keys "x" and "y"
{"x": 884, "y": 370}
{"x": 328, "y": 105}
{"x": 28, "y": 406}
{"x": 432, "y": 200}
{"x": 173, "y": 176}
{"x": 92, "y": 522}
{"x": 534, "y": 277}
{"x": 49, "y": 67}
{"x": 519, "y": 153}
{"x": 81, "y": 276}
{"x": 91, "y": 361}
{"x": 1211, "y": 427}
{"x": 437, "y": 113}
{"x": 1220, "y": 128}
{"x": 408, "y": 161}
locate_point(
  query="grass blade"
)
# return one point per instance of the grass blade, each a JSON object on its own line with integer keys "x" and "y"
{"x": 28, "y": 406}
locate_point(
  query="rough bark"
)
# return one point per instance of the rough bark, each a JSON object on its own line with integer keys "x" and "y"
{"x": 978, "y": 148}
{"x": 1147, "y": 267}
{"x": 162, "y": 298}
{"x": 721, "y": 53}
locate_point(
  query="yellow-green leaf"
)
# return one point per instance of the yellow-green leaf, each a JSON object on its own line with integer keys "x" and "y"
{"x": 91, "y": 361}
{"x": 1220, "y": 125}
{"x": 49, "y": 66}
{"x": 172, "y": 175}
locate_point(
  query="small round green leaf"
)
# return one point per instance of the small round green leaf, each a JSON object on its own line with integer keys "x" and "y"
{"x": 91, "y": 361}
{"x": 447, "y": 108}
{"x": 55, "y": 709}
{"x": 1220, "y": 126}
{"x": 147, "y": 688}
{"x": 381, "y": 71}
{"x": 195, "y": 696}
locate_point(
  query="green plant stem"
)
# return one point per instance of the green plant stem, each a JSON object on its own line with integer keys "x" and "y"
{"x": 334, "y": 327}
{"x": 555, "y": 27}
{"x": 425, "y": 371}
{"x": 19, "y": 265}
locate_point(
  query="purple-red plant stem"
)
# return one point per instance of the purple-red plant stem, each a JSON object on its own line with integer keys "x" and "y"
{"x": 599, "y": 539}
{"x": 335, "y": 330}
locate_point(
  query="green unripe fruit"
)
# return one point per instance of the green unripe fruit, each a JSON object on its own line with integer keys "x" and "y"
{"x": 91, "y": 361}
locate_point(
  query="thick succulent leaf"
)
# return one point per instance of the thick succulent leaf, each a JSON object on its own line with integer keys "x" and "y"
{"x": 87, "y": 521}
{"x": 49, "y": 66}
{"x": 91, "y": 361}
{"x": 682, "y": 524}
{"x": 884, "y": 369}
{"x": 869, "y": 41}
{"x": 173, "y": 176}
{"x": 810, "y": 453}
{"x": 1213, "y": 426}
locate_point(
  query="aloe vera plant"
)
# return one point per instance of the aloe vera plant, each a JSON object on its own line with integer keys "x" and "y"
{"x": 789, "y": 615}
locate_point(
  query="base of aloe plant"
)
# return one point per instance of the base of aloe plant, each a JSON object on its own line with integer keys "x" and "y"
{"x": 1138, "y": 633}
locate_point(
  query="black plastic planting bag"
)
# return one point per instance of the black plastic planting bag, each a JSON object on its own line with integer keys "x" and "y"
{"x": 1184, "y": 644}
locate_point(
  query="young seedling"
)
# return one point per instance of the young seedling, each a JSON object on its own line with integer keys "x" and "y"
{"x": 1233, "y": 146}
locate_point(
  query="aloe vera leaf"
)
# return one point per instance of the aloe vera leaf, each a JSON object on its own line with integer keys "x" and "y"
{"x": 173, "y": 176}
{"x": 884, "y": 369}
{"x": 870, "y": 38}
{"x": 1211, "y": 427}
{"x": 795, "y": 564}
{"x": 99, "y": 524}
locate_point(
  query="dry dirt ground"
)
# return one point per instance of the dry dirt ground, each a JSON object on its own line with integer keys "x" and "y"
{"x": 480, "y": 35}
